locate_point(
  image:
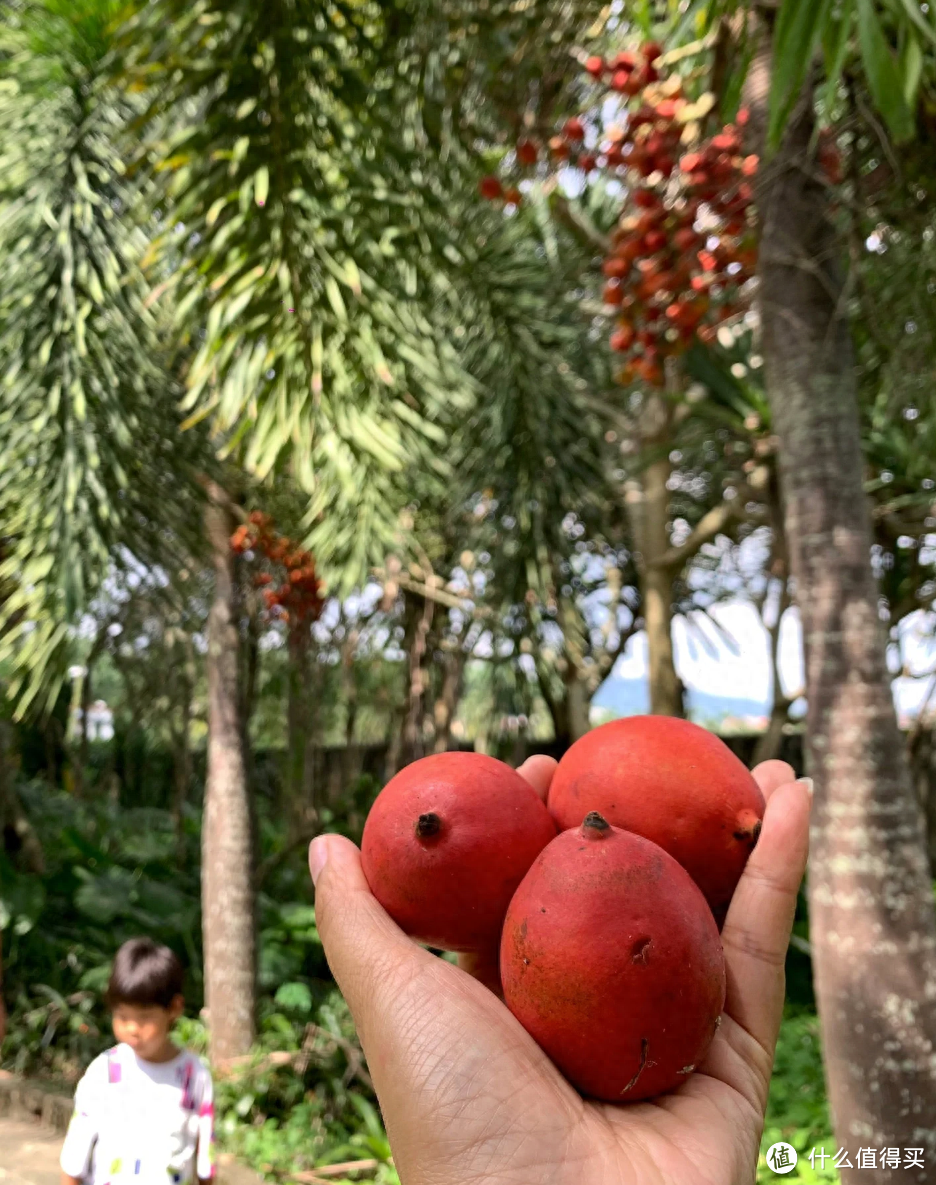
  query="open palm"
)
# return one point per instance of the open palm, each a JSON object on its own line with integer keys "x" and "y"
{"x": 468, "y": 1096}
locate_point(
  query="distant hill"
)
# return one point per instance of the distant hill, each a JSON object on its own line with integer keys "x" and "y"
{"x": 631, "y": 697}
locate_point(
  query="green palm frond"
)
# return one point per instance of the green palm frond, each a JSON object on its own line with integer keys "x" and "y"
{"x": 84, "y": 398}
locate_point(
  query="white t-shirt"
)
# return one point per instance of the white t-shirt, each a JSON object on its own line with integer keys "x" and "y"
{"x": 141, "y": 1123}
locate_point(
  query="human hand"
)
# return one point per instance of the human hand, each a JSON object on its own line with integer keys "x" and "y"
{"x": 468, "y": 1096}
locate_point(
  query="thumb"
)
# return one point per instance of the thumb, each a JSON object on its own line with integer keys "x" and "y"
{"x": 369, "y": 955}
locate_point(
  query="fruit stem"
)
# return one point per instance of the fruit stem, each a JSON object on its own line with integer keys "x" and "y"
{"x": 596, "y": 824}
{"x": 428, "y": 825}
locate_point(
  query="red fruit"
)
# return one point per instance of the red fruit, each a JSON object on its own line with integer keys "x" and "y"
{"x": 513, "y": 196}
{"x": 527, "y": 152}
{"x": 625, "y": 61}
{"x": 595, "y": 66}
{"x": 490, "y": 188}
{"x": 749, "y": 165}
{"x": 620, "y": 80}
{"x": 615, "y": 267}
{"x": 611, "y": 961}
{"x": 587, "y": 162}
{"x": 654, "y": 240}
{"x": 635, "y": 83}
{"x": 646, "y": 199}
{"x": 574, "y": 129}
{"x": 708, "y": 261}
{"x": 726, "y": 142}
{"x": 670, "y": 781}
{"x": 685, "y": 238}
{"x": 667, "y": 108}
{"x": 559, "y": 148}
{"x": 612, "y": 293}
{"x": 651, "y": 51}
{"x": 690, "y": 162}
{"x": 446, "y": 844}
{"x": 622, "y": 339}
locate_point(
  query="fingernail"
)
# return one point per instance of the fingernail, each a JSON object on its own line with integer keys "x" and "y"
{"x": 808, "y": 783}
{"x": 318, "y": 856}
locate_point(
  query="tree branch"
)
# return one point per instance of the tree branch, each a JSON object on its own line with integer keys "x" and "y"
{"x": 708, "y": 526}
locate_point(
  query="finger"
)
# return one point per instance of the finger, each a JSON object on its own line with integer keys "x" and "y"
{"x": 538, "y": 771}
{"x": 757, "y": 929}
{"x": 369, "y": 955}
{"x": 771, "y": 774}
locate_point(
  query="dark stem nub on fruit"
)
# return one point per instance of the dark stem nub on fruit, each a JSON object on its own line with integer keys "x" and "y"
{"x": 595, "y": 825}
{"x": 428, "y": 825}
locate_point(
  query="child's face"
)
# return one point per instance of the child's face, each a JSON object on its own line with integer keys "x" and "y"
{"x": 145, "y": 1027}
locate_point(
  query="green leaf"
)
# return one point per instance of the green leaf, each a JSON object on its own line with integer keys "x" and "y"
{"x": 884, "y": 80}
{"x": 911, "y": 67}
{"x": 261, "y": 185}
{"x": 294, "y": 997}
{"x": 911, "y": 9}
{"x": 799, "y": 28}
{"x": 835, "y": 43}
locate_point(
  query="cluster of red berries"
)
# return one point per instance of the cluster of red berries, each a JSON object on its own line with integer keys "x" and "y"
{"x": 684, "y": 246}
{"x": 295, "y": 596}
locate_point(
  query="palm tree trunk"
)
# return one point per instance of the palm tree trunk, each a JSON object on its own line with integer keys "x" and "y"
{"x": 648, "y": 505}
{"x": 870, "y": 892}
{"x": 228, "y": 922}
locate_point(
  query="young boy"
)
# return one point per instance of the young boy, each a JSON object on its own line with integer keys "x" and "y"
{"x": 143, "y": 1110}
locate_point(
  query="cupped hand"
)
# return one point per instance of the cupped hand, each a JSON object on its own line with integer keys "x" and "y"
{"x": 470, "y": 1099}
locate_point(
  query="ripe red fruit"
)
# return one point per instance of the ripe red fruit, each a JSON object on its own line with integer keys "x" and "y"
{"x": 513, "y": 196}
{"x": 490, "y": 188}
{"x": 620, "y": 80}
{"x": 625, "y": 61}
{"x": 646, "y": 199}
{"x": 622, "y": 339}
{"x": 615, "y": 267}
{"x": 685, "y": 238}
{"x": 690, "y": 162}
{"x": 611, "y": 960}
{"x": 667, "y": 108}
{"x": 651, "y": 51}
{"x": 446, "y": 844}
{"x": 749, "y": 165}
{"x": 612, "y": 293}
{"x": 574, "y": 129}
{"x": 654, "y": 240}
{"x": 595, "y": 66}
{"x": 527, "y": 152}
{"x": 587, "y": 162}
{"x": 672, "y": 782}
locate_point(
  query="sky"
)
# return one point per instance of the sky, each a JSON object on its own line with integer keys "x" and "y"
{"x": 746, "y": 674}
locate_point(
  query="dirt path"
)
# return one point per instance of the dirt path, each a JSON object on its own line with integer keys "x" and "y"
{"x": 29, "y": 1153}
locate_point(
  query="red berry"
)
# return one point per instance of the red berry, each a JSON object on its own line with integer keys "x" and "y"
{"x": 527, "y": 152}
{"x": 595, "y": 66}
{"x": 574, "y": 129}
{"x": 651, "y": 51}
{"x": 490, "y": 188}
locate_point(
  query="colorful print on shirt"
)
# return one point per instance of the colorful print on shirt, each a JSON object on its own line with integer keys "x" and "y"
{"x": 141, "y": 1123}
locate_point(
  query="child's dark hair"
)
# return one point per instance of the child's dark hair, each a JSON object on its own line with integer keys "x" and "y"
{"x": 144, "y": 973}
